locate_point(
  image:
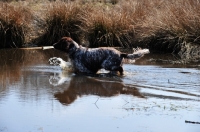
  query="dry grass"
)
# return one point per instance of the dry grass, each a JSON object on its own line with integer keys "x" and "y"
{"x": 105, "y": 29}
{"x": 159, "y": 25}
{"x": 113, "y": 25}
{"x": 173, "y": 23}
{"x": 61, "y": 20}
{"x": 14, "y": 23}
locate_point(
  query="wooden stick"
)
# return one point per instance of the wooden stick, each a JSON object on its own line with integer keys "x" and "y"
{"x": 47, "y": 47}
{"x": 32, "y": 48}
{"x": 43, "y": 47}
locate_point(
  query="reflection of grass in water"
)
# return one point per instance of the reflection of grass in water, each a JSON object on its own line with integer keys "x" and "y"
{"x": 27, "y": 57}
{"x": 8, "y": 75}
{"x": 12, "y": 60}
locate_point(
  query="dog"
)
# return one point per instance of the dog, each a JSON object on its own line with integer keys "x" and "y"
{"x": 90, "y": 60}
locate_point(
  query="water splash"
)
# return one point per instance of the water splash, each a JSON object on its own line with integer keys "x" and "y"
{"x": 60, "y": 62}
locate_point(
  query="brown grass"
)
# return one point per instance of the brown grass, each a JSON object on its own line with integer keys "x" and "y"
{"x": 172, "y": 23}
{"x": 61, "y": 20}
{"x": 14, "y": 23}
{"x": 113, "y": 25}
{"x": 162, "y": 26}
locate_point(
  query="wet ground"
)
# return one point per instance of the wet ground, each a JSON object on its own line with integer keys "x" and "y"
{"x": 154, "y": 95}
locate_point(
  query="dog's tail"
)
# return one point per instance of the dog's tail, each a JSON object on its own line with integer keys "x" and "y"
{"x": 136, "y": 54}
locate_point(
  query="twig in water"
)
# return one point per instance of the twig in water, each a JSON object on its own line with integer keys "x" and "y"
{"x": 97, "y": 100}
{"x": 192, "y": 122}
{"x": 96, "y": 103}
{"x": 125, "y": 103}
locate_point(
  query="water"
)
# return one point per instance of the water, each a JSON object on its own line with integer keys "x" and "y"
{"x": 152, "y": 96}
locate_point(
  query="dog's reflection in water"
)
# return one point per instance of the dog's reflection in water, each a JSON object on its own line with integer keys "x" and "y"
{"x": 59, "y": 78}
{"x": 103, "y": 85}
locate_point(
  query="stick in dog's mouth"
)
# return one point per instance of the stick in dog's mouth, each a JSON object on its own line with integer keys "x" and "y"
{"x": 43, "y": 48}
{"x": 47, "y": 47}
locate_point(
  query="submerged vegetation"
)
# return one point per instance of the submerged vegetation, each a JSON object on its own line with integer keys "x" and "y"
{"x": 162, "y": 26}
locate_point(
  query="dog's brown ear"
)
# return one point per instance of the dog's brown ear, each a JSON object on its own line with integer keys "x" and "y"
{"x": 68, "y": 39}
{"x": 65, "y": 44}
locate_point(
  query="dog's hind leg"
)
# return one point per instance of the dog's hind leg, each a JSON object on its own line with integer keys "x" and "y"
{"x": 113, "y": 64}
{"x": 117, "y": 68}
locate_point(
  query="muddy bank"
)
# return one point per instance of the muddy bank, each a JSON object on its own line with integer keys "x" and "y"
{"x": 190, "y": 52}
{"x": 186, "y": 52}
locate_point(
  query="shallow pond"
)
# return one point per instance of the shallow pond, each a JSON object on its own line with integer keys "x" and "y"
{"x": 153, "y": 96}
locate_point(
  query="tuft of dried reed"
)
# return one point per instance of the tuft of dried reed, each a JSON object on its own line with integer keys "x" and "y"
{"x": 14, "y": 24}
{"x": 61, "y": 20}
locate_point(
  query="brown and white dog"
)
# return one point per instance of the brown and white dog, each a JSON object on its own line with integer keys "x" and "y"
{"x": 90, "y": 60}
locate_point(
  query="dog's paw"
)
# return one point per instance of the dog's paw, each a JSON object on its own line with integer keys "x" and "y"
{"x": 60, "y": 62}
{"x": 54, "y": 61}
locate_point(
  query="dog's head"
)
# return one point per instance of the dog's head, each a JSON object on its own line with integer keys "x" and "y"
{"x": 66, "y": 44}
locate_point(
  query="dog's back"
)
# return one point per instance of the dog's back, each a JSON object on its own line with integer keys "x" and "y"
{"x": 94, "y": 59}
